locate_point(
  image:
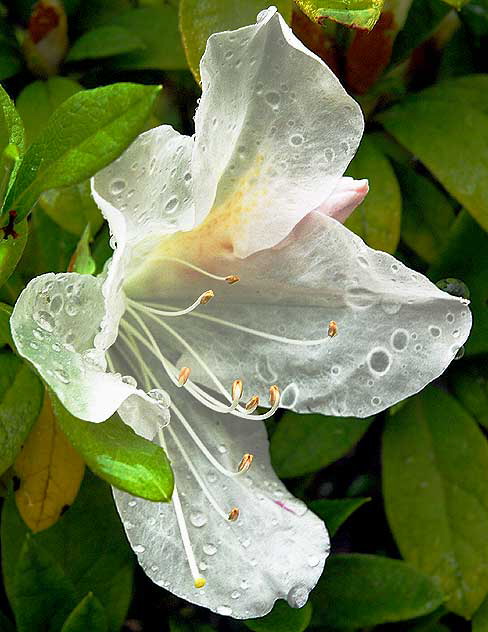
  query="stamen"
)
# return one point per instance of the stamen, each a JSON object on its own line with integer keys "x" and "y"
{"x": 199, "y": 582}
{"x": 230, "y": 278}
{"x": 237, "y": 387}
{"x": 233, "y": 514}
{"x": 206, "y": 297}
{"x": 201, "y": 300}
{"x": 252, "y": 404}
{"x": 183, "y": 376}
{"x": 274, "y": 395}
{"x": 245, "y": 463}
{"x": 332, "y": 330}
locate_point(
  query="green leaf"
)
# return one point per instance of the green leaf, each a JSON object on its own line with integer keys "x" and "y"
{"x": 88, "y": 615}
{"x": 422, "y": 20}
{"x": 377, "y": 219}
{"x": 480, "y": 618}
{"x": 457, "y": 3}
{"x": 82, "y": 261}
{"x": 38, "y": 100}
{"x": 360, "y": 14}
{"x": 5, "y": 335}
{"x": 446, "y": 127}
{"x": 365, "y": 590}
{"x": 435, "y": 487}
{"x": 10, "y": 61}
{"x": 335, "y": 512}
{"x": 87, "y": 132}
{"x": 305, "y": 443}
{"x": 87, "y": 542}
{"x": 198, "y": 20}
{"x": 11, "y": 249}
{"x": 117, "y": 454}
{"x": 105, "y": 41}
{"x": 427, "y": 214}
{"x": 42, "y": 596}
{"x": 72, "y": 208}
{"x": 157, "y": 28}
{"x": 21, "y": 396}
{"x": 456, "y": 262}
{"x": 282, "y": 619}
{"x": 470, "y": 385}
{"x": 11, "y": 127}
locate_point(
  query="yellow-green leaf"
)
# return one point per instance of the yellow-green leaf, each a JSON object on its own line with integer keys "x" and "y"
{"x": 360, "y": 14}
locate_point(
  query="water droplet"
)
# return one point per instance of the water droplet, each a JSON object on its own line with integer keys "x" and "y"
{"x": 455, "y": 333}
{"x": 418, "y": 348}
{"x": 44, "y": 320}
{"x": 56, "y": 303}
{"x": 235, "y": 594}
{"x": 375, "y": 401}
{"x": 450, "y": 317}
{"x": 117, "y": 186}
{"x": 458, "y": 352}
{"x": 229, "y": 54}
{"x": 360, "y": 297}
{"x": 37, "y": 333}
{"x": 296, "y": 140}
{"x": 202, "y": 566}
{"x": 212, "y": 477}
{"x": 187, "y": 176}
{"x": 346, "y": 147}
{"x": 226, "y": 611}
{"x": 362, "y": 261}
{"x": 209, "y": 549}
{"x": 379, "y": 361}
{"x": 62, "y": 376}
{"x": 329, "y": 154}
{"x": 154, "y": 568}
{"x": 273, "y": 98}
{"x": 244, "y": 584}
{"x": 33, "y": 345}
{"x": 313, "y": 561}
{"x": 139, "y": 548}
{"x": 71, "y": 309}
{"x": 128, "y": 379}
{"x": 390, "y": 306}
{"x": 289, "y": 396}
{"x": 171, "y": 204}
{"x": 132, "y": 503}
{"x": 435, "y": 332}
{"x": 160, "y": 397}
{"x": 222, "y": 449}
{"x": 335, "y": 370}
{"x": 297, "y": 596}
{"x": 198, "y": 519}
{"x": 399, "y": 339}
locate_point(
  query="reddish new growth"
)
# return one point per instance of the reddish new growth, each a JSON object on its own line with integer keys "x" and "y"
{"x": 8, "y": 230}
{"x": 43, "y": 20}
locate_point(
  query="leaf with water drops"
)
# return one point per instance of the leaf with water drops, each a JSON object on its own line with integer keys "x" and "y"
{"x": 359, "y": 591}
{"x": 435, "y": 486}
{"x": 198, "y": 20}
{"x": 336, "y": 511}
{"x": 317, "y": 441}
{"x": 21, "y": 394}
{"x": 361, "y": 14}
{"x": 87, "y": 544}
{"x": 88, "y": 131}
{"x": 115, "y": 453}
{"x": 283, "y": 619}
{"x": 50, "y": 472}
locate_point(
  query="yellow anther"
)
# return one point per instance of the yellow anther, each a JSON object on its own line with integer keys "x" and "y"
{"x": 233, "y": 514}
{"x": 237, "y": 390}
{"x": 245, "y": 463}
{"x": 274, "y": 395}
{"x": 252, "y": 404}
{"x": 332, "y": 331}
{"x": 232, "y": 278}
{"x": 183, "y": 376}
{"x": 206, "y": 297}
{"x": 200, "y": 582}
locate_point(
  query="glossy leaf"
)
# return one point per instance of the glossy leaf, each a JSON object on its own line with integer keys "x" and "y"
{"x": 157, "y": 28}
{"x": 377, "y": 219}
{"x": 88, "y": 615}
{"x": 5, "y": 335}
{"x": 115, "y": 453}
{"x": 480, "y": 618}
{"x": 11, "y": 249}
{"x": 11, "y": 127}
{"x": 446, "y": 127}
{"x": 87, "y": 543}
{"x": 198, "y": 20}
{"x": 360, "y": 14}
{"x": 435, "y": 486}
{"x": 366, "y": 590}
{"x": 470, "y": 386}
{"x": 456, "y": 262}
{"x": 427, "y": 214}
{"x": 50, "y": 472}
{"x": 305, "y": 443}
{"x": 82, "y": 261}
{"x": 87, "y": 132}
{"x": 105, "y": 41}
{"x": 21, "y": 394}
{"x": 334, "y": 512}
{"x": 282, "y": 619}
{"x": 72, "y": 208}
{"x": 42, "y": 596}
{"x": 39, "y": 99}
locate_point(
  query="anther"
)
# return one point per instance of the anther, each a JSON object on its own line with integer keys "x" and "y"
{"x": 237, "y": 387}
{"x": 332, "y": 330}
{"x": 233, "y": 514}
{"x": 206, "y": 297}
{"x": 252, "y": 404}
{"x": 183, "y": 376}
{"x": 274, "y": 395}
{"x": 245, "y": 463}
{"x": 200, "y": 582}
{"x": 232, "y": 278}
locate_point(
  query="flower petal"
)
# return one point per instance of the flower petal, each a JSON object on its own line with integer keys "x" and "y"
{"x": 347, "y": 195}
{"x": 275, "y": 131}
{"x": 396, "y": 330}
{"x": 275, "y": 549}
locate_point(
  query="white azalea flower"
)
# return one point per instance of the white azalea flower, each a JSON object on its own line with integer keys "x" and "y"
{"x": 249, "y": 197}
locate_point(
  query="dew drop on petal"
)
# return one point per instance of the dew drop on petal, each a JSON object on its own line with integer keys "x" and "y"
{"x": 379, "y": 361}
{"x": 273, "y": 98}
{"x": 297, "y": 596}
{"x": 226, "y": 611}
{"x": 435, "y": 332}
{"x": 289, "y": 396}
{"x": 198, "y": 519}
{"x": 209, "y": 549}
{"x": 44, "y": 320}
{"x": 171, "y": 204}
{"x": 296, "y": 140}
{"x": 139, "y": 548}
{"x": 399, "y": 339}
{"x": 128, "y": 379}
{"x": 117, "y": 186}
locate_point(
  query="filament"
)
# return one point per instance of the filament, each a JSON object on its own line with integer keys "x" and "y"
{"x": 230, "y": 278}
